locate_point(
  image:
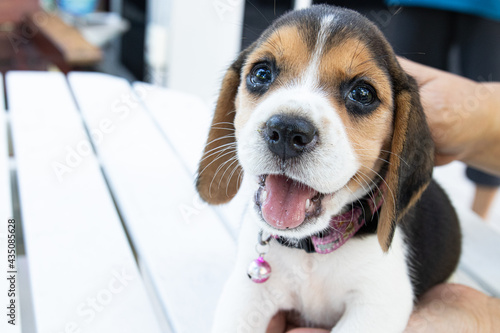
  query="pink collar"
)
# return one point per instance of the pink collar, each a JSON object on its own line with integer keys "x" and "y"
{"x": 342, "y": 227}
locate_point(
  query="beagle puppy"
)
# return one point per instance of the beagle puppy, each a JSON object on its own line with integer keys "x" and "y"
{"x": 321, "y": 120}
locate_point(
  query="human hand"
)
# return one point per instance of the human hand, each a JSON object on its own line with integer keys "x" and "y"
{"x": 455, "y": 308}
{"x": 445, "y": 308}
{"x": 459, "y": 114}
{"x": 279, "y": 325}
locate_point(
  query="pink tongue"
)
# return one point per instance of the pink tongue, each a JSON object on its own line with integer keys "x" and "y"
{"x": 285, "y": 205}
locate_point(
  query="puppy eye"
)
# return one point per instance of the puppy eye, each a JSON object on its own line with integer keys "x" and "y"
{"x": 263, "y": 75}
{"x": 360, "y": 98}
{"x": 362, "y": 94}
{"x": 260, "y": 78}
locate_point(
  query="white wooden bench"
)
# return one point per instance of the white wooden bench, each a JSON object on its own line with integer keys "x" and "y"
{"x": 5, "y": 214}
{"x": 116, "y": 238}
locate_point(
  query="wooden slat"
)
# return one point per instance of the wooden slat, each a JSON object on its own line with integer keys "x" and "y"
{"x": 5, "y": 215}
{"x": 184, "y": 121}
{"x": 184, "y": 247}
{"x": 80, "y": 262}
{"x": 183, "y": 118}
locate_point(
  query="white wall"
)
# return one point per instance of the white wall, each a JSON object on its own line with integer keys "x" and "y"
{"x": 299, "y": 4}
{"x": 156, "y": 53}
{"x": 192, "y": 42}
{"x": 204, "y": 38}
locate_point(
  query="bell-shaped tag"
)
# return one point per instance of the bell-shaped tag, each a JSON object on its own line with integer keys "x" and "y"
{"x": 259, "y": 270}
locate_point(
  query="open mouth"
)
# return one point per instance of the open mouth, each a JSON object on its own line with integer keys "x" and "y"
{"x": 285, "y": 203}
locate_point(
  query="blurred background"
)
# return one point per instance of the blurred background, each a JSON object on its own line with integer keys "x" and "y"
{"x": 187, "y": 45}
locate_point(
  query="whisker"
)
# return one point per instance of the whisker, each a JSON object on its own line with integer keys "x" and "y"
{"x": 383, "y": 151}
{"x": 240, "y": 177}
{"x": 218, "y": 157}
{"x": 373, "y": 198}
{"x": 352, "y": 206}
{"x": 387, "y": 185}
{"x": 228, "y": 136}
{"x": 236, "y": 167}
{"x": 235, "y": 159}
{"x": 232, "y": 159}
{"x": 370, "y": 193}
{"x": 378, "y": 158}
{"x": 223, "y": 123}
{"x": 214, "y": 151}
{"x": 222, "y": 128}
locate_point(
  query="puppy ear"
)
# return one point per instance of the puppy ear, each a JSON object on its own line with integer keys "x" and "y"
{"x": 411, "y": 159}
{"x": 219, "y": 171}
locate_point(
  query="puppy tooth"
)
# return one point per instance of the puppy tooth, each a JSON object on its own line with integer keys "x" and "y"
{"x": 263, "y": 195}
{"x": 308, "y": 204}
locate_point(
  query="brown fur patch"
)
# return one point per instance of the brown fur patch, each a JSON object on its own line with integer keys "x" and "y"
{"x": 409, "y": 172}
{"x": 350, "y": 59}
{"x": 388, "y": 215}
{"x": 289, "y": 51}
{"x": 219, "y": 170}
{"x": 367, "y": 134}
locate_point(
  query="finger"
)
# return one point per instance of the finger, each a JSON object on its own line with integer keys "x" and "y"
{"x": 308, "y": 330}
{"x": 420, "y": 72}
{"x": 450, "y": 308}
{"x": 277, "y": 323}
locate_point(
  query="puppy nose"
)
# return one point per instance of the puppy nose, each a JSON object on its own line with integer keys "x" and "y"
{"x": 289, "y": 136}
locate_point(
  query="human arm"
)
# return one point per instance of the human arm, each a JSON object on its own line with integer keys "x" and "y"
{"x": 455, "y": 308}
{"x": 445, "y": 308}
{"x": 463, "y": 115}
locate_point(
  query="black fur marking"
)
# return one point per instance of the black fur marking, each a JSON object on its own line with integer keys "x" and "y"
{"x": 417, "y": 156}
{"x": 432, "y": 233}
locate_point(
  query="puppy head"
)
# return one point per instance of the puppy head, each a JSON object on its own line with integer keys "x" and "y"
{"x": 320, "y": 113}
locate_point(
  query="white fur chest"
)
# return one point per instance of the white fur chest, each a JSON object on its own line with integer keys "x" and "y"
{"x": 323, "y": 288}
{"x": 320, "y": 286}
